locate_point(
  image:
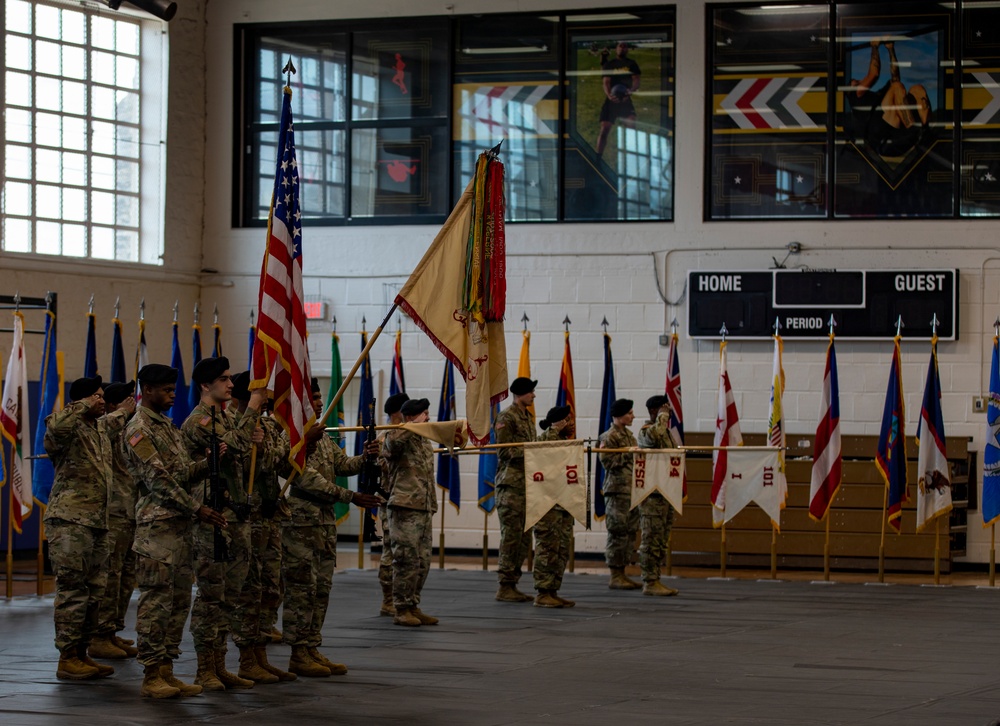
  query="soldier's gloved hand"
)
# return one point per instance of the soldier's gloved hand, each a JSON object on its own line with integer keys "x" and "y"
{"x": 365, "y": 501}
{"x": 209, "y": 515}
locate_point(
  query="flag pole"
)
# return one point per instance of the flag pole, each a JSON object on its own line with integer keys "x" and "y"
{"x": 826, "y": 549}
{"x": 10, "y": 530}
{"x": 441, "y": 537}
{"x": 486, "y": 540}
{"x": 40, "y": 557}
{"x": 993, "y": 554}
{"x": 881, "y": 546}
{"x": 774, "y": 527}
{"x": 937, "y": 550}
{"x": 722, "y": 533}
{"x": 361, "y": 541}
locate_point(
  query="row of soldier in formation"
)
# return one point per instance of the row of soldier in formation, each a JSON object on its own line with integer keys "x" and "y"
{"x": 131, "y": 506}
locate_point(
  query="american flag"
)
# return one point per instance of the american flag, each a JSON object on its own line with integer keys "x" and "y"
{"x": 281, "y": 320}
{"x": 727, "y": 433}
{"x": 827, "y": 456}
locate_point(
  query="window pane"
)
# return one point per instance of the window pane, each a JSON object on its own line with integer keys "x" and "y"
{"x": 128, "y": 38}
{"x": 17, "y": 162}
{"x": 74, "y": 205}
{"x": 16, "y": 198}
{"x": 48, "y": 238}
{"x": 74, "y": 97}
{"x": 74, "y": 240}
{"x": 74, "y": 169}
{"x": 47, "y": 166}
{"x": 74, "y": 27}
{"x": 320, "y": 86}
{"x": 102, "y": 171}
{"x": 127, "y": 72}
{"x": 128, "y": 106}
{"x": 102, "y": 139}
{"x": 48, "y": 93}
{"x": 322, "y": 175}
{"x": 18, "y": 125}
{"x": 102, "y": 208}
{"x": 74, "y": 62}
{"x": 126, "y": 245}
{"x": 127, "y": 143}
{"x": 392, "y": 172}
{"x": 127, "y": 211}
{"x": 47, "y": 22}
{"x": 102, "y": 32}
{"x": 48, "y": 57}
{"x": 102, "y": 68}
{"x": 48, "y": 201}
{"x": 18, "y": 52}
{"x": 74, "y": 133}
{"x": 102, "y": 243}
{"x": 103, "y": 102}
{"x": 18, "y": 89}
{"x": 16, "y": 235}
{"x": 18, "y": 16}
{"x": 127, "y": 176}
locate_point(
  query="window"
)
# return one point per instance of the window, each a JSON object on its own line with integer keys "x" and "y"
{"x": 83, "y": 132}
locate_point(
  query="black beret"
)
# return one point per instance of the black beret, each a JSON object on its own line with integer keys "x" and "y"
{"x": 314, "y": 383}
{"x": 157, "y": 374}
{"x": 621, "y": 407}
{"x": 655, "y": 403}
{"x": 522, "y": 385}
{"x": 241, "y": 383}
{"x": 84, "y": 388}
{"x": 208, "y": 369}
{"x": 394, "y": 403}
{"x": 415, "y": 406}
{"x": 557, "y": 413}
{"x": 115, "y": 393}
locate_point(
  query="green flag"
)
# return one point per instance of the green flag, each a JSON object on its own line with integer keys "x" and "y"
{"x": 341, "y": 509}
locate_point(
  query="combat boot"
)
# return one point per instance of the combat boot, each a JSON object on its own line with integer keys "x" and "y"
{"x": 404, "y": 616}
{"x": 205, "y": 677}
{"x": 121, "y": 642}
{"x": 275, "y": 635}
{"x": 103, "y": 671}
{"x": 71, "y": 668}
{"x": 546, "y": 599}
{"x": 153, "y": 685}
{"x": 620, "y": 582}
{"x": 301, "y": 664}
{"x": 167, "y": 674}
{"x": 566, "y": 603}
{"x": 102, "y": 646}
{"x": 127, "y": 645}
{"x": 251, "y": 669}
{"x": 657, "y": 588}
{"x": 336, "y": 669}
{"x": 260, "y": 653}
{"x": 229, "y": 680}
{"x": 510, "y": 593}
{"x": 423, "y": 617}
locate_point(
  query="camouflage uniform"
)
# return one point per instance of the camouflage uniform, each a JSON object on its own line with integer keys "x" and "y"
{"x": 553, "y": 538}
{"x": 272, "y": 457}
{"x": 412, "y": 504}
{"x": 655, "y": 513}
{"x": 164, "y": 473}
{"x": 220, "y": 584}
{"x": 77, "y": 518}
{"x": 385, "y": 561}
{"x": 513, "y": 425}
{"x": 622, "y": 522}
{"x": 310, "y": 541}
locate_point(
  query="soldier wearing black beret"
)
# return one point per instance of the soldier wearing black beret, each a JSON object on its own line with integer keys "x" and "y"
{"x": 622, "y": 521}
{"x": 656, "y": 516}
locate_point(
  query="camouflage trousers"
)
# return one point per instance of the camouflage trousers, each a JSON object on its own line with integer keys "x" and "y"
{"x": 220, "y": 584}
{"x": 656, "y": 517}
{"x": 164, "y": 574}
{"x": 411, "y": 554}
{"x": 79, "y": 556}
{"x": 553, "y": 534}
{"x": 622, "y": 524}
{"x": 515, "y": 543}
{"x": 249, "y": 606}
{"x": 271, "y": 585}
{"x": 121, "y": 576}
{"x": 310, "y": 558}
{"x": 385, "y": 562}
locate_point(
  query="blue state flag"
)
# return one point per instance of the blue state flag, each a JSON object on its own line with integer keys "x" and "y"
{"x": 604, "y": 423}
{"x": 51, "y": 400}
{"x": 891, "y": 455}
{"x": 117, "y": 354}
{"x": 488, "y": 467}
{"x": 447, "y": 470}
{"x": 991, "y": 455}
{"x": 194, "y": 393}
{"x": 90, "y": 357}
{"x": 181, "y": 408}
{"x": 365, "y": 397}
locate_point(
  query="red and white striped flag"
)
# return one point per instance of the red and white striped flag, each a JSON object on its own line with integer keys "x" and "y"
{"x": 14, "y": 424}
{"x": 280, "y": 353}
{"x": 727, "y": 433}
{"x": 826, "y": 471}
{"x": 934, "y": 484}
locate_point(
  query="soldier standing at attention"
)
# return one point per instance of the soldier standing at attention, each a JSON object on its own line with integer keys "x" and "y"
{"x": 392, "y": 405}
{"x": 220, "y": 584}
{"x": 412, "y": 505}
{"x": 156, "y": 456}
{"x": 276, "y": 515}
{"x": 513, "y": 426}
{"x": 554, "y": 531}
{"x": 655, "y": 513}
{"x": 119, "y": 400}
{"x": 622, "y": 521}
{"x": 77, "y": 442}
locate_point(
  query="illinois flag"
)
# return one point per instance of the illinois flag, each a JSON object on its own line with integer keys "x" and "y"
{"x": 15, "y": 427}
{"x": 934, "y": 476}
{"x": 991, "y": 454}
{"x": 659, "y": 471}
{"x": 891, "y": 455}
{"x": 827, "y": 461}
{"x": 555, "y": 474}
{"x": 727, "y": 433}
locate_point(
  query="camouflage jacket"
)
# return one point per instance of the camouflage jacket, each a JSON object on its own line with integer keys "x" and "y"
{"x": 313, "y": 493}
{"x": 617, "y": 467}
{"x": 513, "y": 425}
{"x": 157, "y": 457}
{"x": 656, "y": 434}
{"x": 549, "y": 434}
{"x": 410, "y": 459}
{"x": 272, "y": 459}
{"x": 124, "y": 495}
{"x": 80, "y": 450}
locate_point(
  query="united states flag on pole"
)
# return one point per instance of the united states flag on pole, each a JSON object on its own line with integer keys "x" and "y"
{"x": 281, "y": 320}
{"x": 827, "y": 457}
{"x": 727, "y": 433}
{"x": 15, "y": 427}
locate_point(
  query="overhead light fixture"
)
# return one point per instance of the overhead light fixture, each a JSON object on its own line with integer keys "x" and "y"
{"x": 162, "y": 9}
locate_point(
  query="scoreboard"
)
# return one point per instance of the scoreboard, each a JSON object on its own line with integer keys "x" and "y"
{"x": 864, "y": 303}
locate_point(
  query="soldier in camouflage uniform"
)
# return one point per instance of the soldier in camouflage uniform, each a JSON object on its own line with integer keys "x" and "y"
{"x": 392, "y": 407}
{"x": 622, "y": 521}
{"x": 513, "y": 426}
{"x": 554, "y": 531}
{"x": 276, "y": 515}
{"x": 164, "y": 473}
{"x": 77, "y": 441}
{"x": 655, "y": 513}
{"x": 119, "y": 398}
{"x": 220, "y": 584}
{"x": 310, "y": 548}
{"x": 412, "y": 505}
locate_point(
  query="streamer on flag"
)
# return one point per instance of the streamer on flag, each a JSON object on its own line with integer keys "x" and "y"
{"x": 15, "y": 426}
{"x": 182, "y": 407}
{"x": 555, "y": 474}
{"x": 827, "y": 456}
{"x": 727, "y": 433}
{"x": 674, "y": 395}
{"x": 50, "y": 397}
{"x": 90, "y": 356}
{"x": 281, "y": 350}
{"x": 608, "y": 397}
{"x": 447, "y": 472}
{"x": 772, "y": 498}
{"x": 341, "y": 510}
{"x": 991, "y": 454}
{"x": 934, "y": 475}
{"x": 117, "y": 353}
{"x": 659, "y": 471}
{"x": 397, "y": 381}
{"x": 488, "y": 468}
{"x": 524, "y": 366}
{"x": 891, "y": 455}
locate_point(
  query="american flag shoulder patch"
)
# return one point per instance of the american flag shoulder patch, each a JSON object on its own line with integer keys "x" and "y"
{"x": 205, "y": 420}
{"x": 136, "y": 438}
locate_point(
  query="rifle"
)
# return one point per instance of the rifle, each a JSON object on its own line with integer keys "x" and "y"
{"x": 370, "y": 478}
{"x": 217, "y": 495}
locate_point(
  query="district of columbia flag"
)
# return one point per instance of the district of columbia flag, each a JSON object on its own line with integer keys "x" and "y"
{"x": 397, "y": 381}
{"x": 524, "y": 365}
{"x": 727, "y": 433}
{"x": 774, "y": 495}
{"x": 608, "y": 397}
{"x": 182, "y": 407}
{"x": 194, "y": 393}
{"x": 447, "y": 473}
{"x": 488, "y": 468}
{"x": 117, "y": 354}
{"x": 934, "y": 475}
{"x": 15, "y": 426}
{"x": 673, "y": 391}
{"x": 341, "y": 510}
{"x": 827, "y": 456}
{"x": 90, "y": 356}
{"x": 566, "y": 393}
{"x": 891, "y": 454}
{"x": 991, "y": 454}
{"x": 50, "y": 397}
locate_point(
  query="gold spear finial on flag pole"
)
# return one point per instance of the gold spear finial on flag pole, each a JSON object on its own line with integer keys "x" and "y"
{"x": 363, "y": 323}
{"x": 605, "y": 324}
{"x": 334, "y": 323}
{"x": 934, "y": 325}
{"x": 723, "y": 331}
{"x": 777, "y": 326}
{"x": 215, "y": 314}
{"x": 251, "y": 317}
{"x": 17, "y": 302}
{"x": 567, "y": 323}
{"x": 289, "y": 70}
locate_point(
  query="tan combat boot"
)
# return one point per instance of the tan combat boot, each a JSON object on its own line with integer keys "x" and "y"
{"x": 260, "y": 653}
{"x": 547, "y": 599}
{"x": 229, "y": 680}
{"x": 121, "y": 642}
{"x": 127, "y": 645}
{"x": 153, "y": 685}
{"x": 566, "y": 603}
{"x": 167, "y": 674}
{"x": 404, "y": 616}
{"x": 336, "y": 669}
{"x": 302, "y": 664}
{"x": 205, "y": 677}
{"x": 275, "y": 635}
{"x": 102, "y": 646}
{"x": 657, "y": 588}
{"x": 620, "y": 582}
{"x": 103, "y": 671}
{"x": 510, "y": 593}
{"x": 71, "y": 668}
{"x": 251, "y": 670}
{"x": 423, "y": 617}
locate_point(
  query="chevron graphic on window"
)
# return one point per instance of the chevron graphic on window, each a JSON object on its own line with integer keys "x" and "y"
{"x": 769, "y": 103}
